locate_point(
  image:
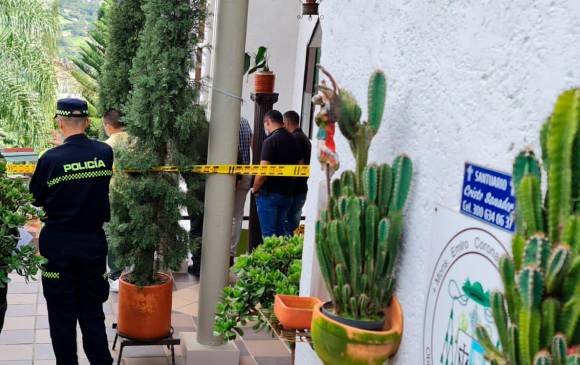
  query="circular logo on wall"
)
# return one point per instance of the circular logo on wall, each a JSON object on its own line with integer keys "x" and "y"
{"x": 465, "y": 272}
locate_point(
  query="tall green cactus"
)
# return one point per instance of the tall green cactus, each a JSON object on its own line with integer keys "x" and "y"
{"x": 542, "y": 281}
{"x": 358, "y": 237}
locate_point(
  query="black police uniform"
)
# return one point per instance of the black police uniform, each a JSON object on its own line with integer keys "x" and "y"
{"x": 71, "y": 183}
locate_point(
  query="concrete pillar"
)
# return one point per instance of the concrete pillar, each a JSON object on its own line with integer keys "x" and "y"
{"x": 206, "y": 65}
{"x": 229, "y": 42}
{"x": 263, "y": 104}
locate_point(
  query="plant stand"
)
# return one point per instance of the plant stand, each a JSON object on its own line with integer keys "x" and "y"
{"x": 168, "y": 341}
{"x": 288, "y": 337}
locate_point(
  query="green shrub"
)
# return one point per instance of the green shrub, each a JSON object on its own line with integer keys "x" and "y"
{"x": 272, "y": 268}
{"x": 15, "y": 208}
{"x": 166, "y": 128}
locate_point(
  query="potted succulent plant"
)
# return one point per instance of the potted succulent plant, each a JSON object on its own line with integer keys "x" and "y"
{"x": 358, "y": 240}
{"x": 15, "y": 209}
{"x": 264, "y": 79}
{"x": 272, "y": 268}
{"x": 537, "y": 315}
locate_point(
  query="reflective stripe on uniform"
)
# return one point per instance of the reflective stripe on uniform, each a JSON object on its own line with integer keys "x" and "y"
{"x": 51, "y": 275}
{"x": 79, "y": 176}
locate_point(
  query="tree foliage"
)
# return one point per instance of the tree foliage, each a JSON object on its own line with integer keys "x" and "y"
{"x": 125, "y": 23}
{"x": 88, "y": 64}
{"x": 166, "y": 128}
{"x": 28, "y": 83}
{"x": 15, "y": 208}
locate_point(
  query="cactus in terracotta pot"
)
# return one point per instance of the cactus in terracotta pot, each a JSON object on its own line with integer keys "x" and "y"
{"x": 537, "y": 316}
{"x": 358, "y": 237}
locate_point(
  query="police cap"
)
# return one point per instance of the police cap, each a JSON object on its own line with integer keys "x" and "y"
{"x": 72, "y": 108}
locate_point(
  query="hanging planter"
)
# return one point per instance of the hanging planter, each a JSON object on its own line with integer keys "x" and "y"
{"x": 310, "y": 7}
{"x": 338, "y": 343}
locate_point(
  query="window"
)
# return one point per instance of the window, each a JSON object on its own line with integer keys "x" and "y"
{"x": 311, "y": 78}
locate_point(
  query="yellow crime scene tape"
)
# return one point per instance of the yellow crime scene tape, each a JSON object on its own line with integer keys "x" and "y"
{"x": 261, "y": 170}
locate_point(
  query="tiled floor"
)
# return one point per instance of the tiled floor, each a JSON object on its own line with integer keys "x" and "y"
{"x": 25, "y": 339}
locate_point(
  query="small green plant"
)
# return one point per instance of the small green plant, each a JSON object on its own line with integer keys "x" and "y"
{"x": 538, "y": 313}
{"x": 257, "y": 61}
{"x": 15, "y": 208}
{"x": 358, "y": 236}
{"x": 272, "y": 268}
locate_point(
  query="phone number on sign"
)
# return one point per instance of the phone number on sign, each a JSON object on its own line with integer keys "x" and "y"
{"x": 489, "y": 215}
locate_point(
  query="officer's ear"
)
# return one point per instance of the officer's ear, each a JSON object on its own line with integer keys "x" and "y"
{"x": 60, "y": 123}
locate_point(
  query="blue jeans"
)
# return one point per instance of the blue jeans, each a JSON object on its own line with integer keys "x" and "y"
{"x": 295, "y": 213}
{"x": 272, "y": 211}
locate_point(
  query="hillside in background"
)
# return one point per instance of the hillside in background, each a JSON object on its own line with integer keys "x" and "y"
{"x": 77, "y": 17}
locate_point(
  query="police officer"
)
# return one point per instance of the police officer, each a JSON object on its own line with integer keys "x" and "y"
{"x": 71, "y": 183}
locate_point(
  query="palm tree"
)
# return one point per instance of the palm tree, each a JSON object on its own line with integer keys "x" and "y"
{"x": 89, "y": 62}
{"x": 28, "y": 83}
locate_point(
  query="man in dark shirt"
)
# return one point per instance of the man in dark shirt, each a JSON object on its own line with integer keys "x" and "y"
{"x": 273, "y": 193}
{"x": 71, "y": 183}
{"x": 292, "y": 125}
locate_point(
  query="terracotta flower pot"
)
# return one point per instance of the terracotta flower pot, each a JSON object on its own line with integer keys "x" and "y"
{"x": 294, "y": 312}
{"x": 145, "y": 313}
{"x": 264, "y": 82}
{"x": 336, "y": 343}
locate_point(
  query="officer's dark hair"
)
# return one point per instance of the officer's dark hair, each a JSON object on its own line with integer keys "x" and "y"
{"x": 112, "y": 117}
{"x": 275, "y": 116}
{"x": 292, "y": 117}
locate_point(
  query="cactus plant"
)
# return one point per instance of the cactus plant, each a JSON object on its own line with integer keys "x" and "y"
{"x": 537, "y": 316}
{"x": 358, "y": 237}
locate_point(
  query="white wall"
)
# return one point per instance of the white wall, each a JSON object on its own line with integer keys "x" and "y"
{"x": 274, "y": 24}
{"x": 468, "y": 80}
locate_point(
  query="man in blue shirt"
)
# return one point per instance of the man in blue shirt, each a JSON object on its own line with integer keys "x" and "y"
{"x": 71, "y": 183}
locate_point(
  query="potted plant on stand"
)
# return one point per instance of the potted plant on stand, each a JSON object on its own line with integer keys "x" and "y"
{"x": 358, "y": 240}
{"x": 15, "y": 209}
{"x": 537, "y": 315}
{"x": 165, "y": 128}
{"x": 264, "y": 79}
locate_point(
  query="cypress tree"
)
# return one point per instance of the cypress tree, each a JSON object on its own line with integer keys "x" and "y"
{"x": 126, "y": 21}
{"x": 166, "y": 128}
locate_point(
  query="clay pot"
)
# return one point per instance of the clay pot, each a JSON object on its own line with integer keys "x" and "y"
{"x": 294, "y": 312}
{"x": 264, "y": 82}
{"x": 145, "y": 313}
{"x": 336, "y": 343}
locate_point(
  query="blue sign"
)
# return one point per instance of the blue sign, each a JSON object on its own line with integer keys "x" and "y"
{"x": 488, "y": 195}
